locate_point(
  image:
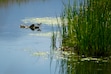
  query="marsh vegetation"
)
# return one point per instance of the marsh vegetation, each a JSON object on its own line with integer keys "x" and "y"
{"x": 86, "y": 27}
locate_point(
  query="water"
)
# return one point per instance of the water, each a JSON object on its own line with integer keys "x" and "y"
{"x": 17, "y": 45}
{"x": 23, "y": 51}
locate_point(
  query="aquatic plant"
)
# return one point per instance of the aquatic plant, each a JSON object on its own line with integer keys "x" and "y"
{"x": 86, "y": 26}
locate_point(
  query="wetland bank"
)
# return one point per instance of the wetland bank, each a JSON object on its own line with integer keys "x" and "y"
{"x": 23, "y": 51}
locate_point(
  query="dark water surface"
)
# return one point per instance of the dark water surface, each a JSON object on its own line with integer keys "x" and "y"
{"x": 23, "y": 51}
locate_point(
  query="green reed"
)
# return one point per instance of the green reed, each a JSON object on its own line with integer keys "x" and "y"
{"x": 87, "y": 27}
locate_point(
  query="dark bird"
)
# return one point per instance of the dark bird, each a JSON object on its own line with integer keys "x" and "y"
{"x": 32, "y": 26}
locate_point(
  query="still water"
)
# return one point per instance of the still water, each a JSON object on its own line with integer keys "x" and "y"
{"x": 17, "y": 45}
{"x": 23, "y": 51}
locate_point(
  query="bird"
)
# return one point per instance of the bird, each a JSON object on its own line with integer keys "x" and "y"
{"x": 24, "y": 26}
{"x": 32, "y": 27}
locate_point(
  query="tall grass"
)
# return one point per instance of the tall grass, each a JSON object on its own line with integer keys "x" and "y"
{"x": 88, "y": 27}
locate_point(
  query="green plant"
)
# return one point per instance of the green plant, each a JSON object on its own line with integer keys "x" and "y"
{"x": 88, "y": 26}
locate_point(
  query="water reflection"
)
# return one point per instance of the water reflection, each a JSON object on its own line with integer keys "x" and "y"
{"x": 44, "y": 20}
{"x": 6, "y": 3}
{"x": 91, "y": 67}
{"x": 70, "y": 63}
